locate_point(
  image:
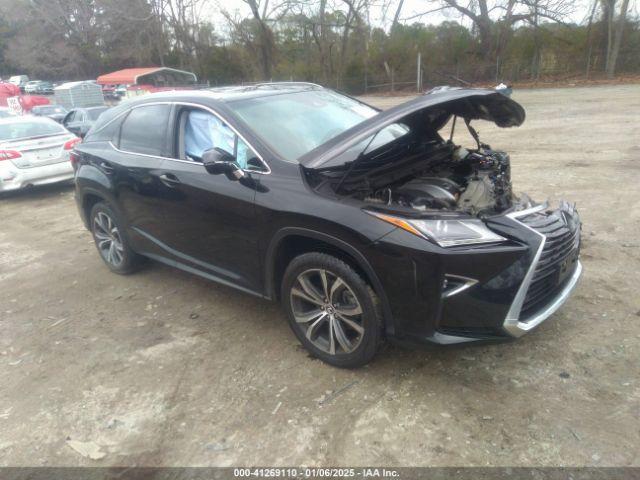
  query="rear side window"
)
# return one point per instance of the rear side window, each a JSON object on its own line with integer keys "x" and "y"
{"x": 105, "y": 132}
{"x": 144, "y": 130}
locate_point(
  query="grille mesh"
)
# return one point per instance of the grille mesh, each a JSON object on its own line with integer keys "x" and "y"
{"x": 561, "y": 244}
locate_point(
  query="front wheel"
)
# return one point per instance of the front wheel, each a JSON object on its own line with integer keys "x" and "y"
{"x": 332, "y": 310}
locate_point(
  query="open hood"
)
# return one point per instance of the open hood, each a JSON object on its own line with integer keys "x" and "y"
{"x": 438, "y": 106}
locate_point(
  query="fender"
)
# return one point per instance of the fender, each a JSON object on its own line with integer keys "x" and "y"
{"x": 91, "y": 174}
{"x": 283, "y": 233}
{"x": 91, "y": 181}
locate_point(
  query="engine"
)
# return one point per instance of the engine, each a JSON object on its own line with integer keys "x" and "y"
{"x": 477, "y": 182}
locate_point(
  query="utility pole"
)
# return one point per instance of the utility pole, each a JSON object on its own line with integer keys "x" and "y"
{"x": 418, "y": 73}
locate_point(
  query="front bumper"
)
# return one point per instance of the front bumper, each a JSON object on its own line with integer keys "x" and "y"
{"x": 14, "y": 178}
{"x": 490, "y": 292}
{"x": 552, "y": 273}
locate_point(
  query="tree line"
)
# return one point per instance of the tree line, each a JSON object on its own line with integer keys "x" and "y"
{"x": 332, "y": 42}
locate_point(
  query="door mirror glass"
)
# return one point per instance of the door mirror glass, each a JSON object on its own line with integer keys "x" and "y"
{"x": 217, "y": 161}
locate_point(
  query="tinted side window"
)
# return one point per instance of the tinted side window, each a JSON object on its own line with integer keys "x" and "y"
{"x": 104, "y": 133}
{"x": 201, "y": 130}
{"x": 247, "y": 158}
{"x": 144, "y": 130}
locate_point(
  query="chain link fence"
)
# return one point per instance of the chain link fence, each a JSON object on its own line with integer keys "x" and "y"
{"x": 547, "y": 69}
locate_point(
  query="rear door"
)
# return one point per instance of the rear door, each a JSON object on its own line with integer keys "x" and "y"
{"x": 134, "y": 165}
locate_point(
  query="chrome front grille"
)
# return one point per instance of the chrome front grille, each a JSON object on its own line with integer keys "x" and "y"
{"x": 558, "y": 259}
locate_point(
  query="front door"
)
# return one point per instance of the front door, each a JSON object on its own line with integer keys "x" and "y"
{"x": 210, "y": 220}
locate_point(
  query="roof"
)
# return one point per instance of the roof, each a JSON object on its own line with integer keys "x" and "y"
{"x": 68, "y": 85}
{"x": 26, "y": 119}
{"x": 130, "y": 75}
{"x": 237, "y": 92}
{"x": 93, "y": 107}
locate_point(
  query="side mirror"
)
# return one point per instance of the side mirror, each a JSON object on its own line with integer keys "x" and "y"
{"x": 216, "y": 161}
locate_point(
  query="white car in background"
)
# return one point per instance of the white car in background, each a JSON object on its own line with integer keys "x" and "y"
{"x": 34, "y": 151}
{"x": 6, "y": 112}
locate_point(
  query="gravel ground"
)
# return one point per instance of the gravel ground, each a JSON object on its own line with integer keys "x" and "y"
{"x": 163, "y": 368}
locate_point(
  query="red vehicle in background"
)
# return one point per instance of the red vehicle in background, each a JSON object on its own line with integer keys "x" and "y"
{"x": 109, "y": 91}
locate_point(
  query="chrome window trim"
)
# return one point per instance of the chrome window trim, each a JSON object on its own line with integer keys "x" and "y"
{"x": 213, "y": 112}
{"x": 512, "y": 323}
{"x": 286, "y": 84}
{"x": 195, "y": 105}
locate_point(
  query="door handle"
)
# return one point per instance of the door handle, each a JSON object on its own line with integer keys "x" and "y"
{"x": 106, "y": 167}
{"x": 169, "y": 180}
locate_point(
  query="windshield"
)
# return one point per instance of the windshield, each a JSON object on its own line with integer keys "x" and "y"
{"x": 296, "y": 123}
{"x": 94, "y": 113}
{"x": 14, "y": 131}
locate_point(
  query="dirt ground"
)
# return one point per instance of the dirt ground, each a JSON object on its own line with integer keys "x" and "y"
{"x": 163, "y": 368}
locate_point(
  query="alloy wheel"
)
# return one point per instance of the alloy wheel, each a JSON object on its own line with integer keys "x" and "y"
{"x": 108, "y": 239}
{"x": 327, "y": 311}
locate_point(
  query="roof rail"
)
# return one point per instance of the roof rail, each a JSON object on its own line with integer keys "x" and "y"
{"x": 267, "y": 84}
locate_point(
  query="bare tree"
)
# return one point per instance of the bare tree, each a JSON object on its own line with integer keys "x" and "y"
{"x": 495, "y": 21}
{"x": 613, "y": 48}
{"x": 263, "y": 15}
{"x": 589, "y": 43}
{"x": 266, "y": 43}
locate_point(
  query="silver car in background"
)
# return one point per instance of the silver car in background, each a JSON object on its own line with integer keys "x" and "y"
{"x": 6, "y": 112}
{"x": 34, "y": 151}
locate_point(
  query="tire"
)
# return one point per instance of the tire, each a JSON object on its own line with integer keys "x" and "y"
{"x": 111, "y": 240}
{"x": 331, "y": 309}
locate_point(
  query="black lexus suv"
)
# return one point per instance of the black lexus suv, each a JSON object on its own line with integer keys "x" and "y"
{"x": 365, "y": 225}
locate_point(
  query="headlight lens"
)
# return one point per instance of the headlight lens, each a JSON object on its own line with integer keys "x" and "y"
{"x": 446, "y": 233}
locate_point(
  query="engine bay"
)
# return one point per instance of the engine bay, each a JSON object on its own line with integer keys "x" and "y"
{"x": 408, "y": 166}
{"x": 476, "y": 182}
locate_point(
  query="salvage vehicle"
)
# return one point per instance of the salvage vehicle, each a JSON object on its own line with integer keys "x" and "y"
{"x": 44, "y": 88}
{"x": 34, "y": 151}
{"x": 54, "y": 112}
{"x": 6, "y": 112}
{"x": 80, "y": 120}
{"x": 39, "y": 87}
{"x": 366, "y": 225}
{"x": 19, "y": 81}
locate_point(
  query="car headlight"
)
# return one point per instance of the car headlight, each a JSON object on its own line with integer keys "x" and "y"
{"x": 446, "y": 233}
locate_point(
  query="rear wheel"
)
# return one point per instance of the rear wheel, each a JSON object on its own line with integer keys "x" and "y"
{"x": 332, "y": 310}
{"x": 111, "y": 241}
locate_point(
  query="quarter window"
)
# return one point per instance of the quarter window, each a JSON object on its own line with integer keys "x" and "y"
{"x": 144, "y": 130}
